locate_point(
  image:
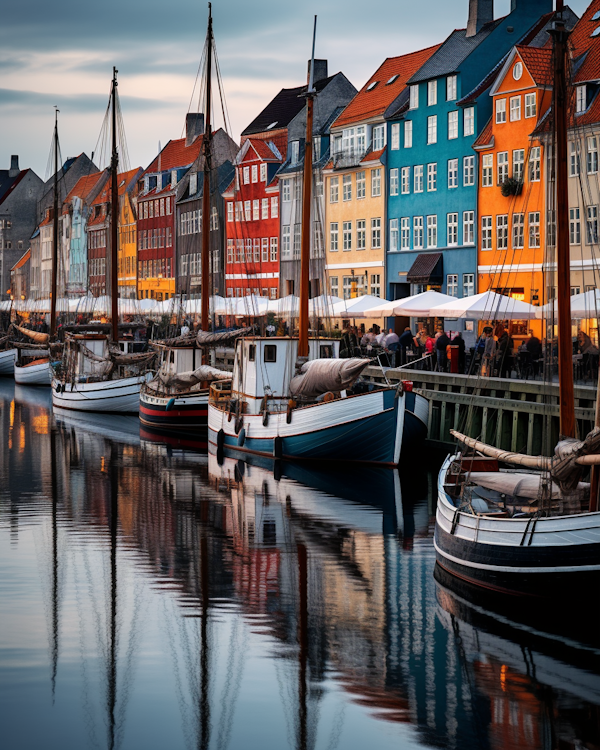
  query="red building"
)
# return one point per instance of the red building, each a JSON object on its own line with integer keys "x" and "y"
{"x": 252, "y": 222}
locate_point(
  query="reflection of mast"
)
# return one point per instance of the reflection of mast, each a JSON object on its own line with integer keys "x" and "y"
{"x": 303, "y": 645}
{"x": 206, "y": 146}
{"x": 54, "y": 490}
{"x": 204, "y": 734}
{"x": 112, "y": 665}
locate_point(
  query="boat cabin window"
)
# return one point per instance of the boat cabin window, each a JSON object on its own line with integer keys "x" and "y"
{"x": 172, "y": 357}
{"x": 270, "y": 353}
{"x": 252, "y": 352}
{"x": 326, "y": 351}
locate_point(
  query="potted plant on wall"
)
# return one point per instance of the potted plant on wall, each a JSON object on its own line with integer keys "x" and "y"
{"x": 511, "y": 186}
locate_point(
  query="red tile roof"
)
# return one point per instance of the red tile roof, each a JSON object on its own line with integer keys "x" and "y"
{"x": 176, "y": 154}
{"x": 539, "y": 64}
{"x": 485, "y": 138}
{"x": 373, "y": 156}
{"x": 22, "y": 260}
{"x": 262, "y": 150}
{"x": 371, "y": 103}
{"x": 82, "y": 188}
{"x": 582, "y": 42}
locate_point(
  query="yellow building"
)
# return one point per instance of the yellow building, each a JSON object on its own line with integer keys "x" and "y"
{"x": 127, "y": 248}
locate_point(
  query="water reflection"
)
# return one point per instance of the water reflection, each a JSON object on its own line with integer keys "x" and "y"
{"x": 192, "y": 603}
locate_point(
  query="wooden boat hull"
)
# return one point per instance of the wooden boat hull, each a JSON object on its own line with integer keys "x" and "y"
{"x": 34, "y": 374}
{"x": 370, "y": 428}
{"x": 7, "y": 362}
{"x": 115, "y": 396}
{"x": 171, "y": 413}
{"x": 517, "y": 555}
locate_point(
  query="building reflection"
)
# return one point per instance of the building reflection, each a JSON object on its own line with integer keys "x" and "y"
{"x": 336, "y": 567}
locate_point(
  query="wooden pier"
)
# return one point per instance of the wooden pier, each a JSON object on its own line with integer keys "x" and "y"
{"x": 516, "y": 415}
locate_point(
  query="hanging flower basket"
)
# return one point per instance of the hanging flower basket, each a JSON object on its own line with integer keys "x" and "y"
{"x": 511, "y": 186}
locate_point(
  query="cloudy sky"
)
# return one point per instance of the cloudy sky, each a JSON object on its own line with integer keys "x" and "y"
{"x": 62, "y": 54}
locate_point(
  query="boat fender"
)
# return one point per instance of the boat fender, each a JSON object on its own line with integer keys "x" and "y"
{"x": 220, "y": 439}
{"x": 290, "y": 409}
{"x": 242, "y": 437}
{"x": 278, "y": 447}
{"x": 265, "y": 419}
{"x": 170, "y": 404}
{"x": 58, "y": 388}
{"x": 239, "y": 423}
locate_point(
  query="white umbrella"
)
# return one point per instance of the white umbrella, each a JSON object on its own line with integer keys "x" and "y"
{"x": 355, "y": 308}
{"x": 5, "y": 305}
{"x": 485, "y": 306}
{"x": 322, "y": 306}
{"x": 583, "y": 306}
{"x": 289, "y": 305}
{"x": 416, "y": 306}
{"x": 147, "y": 304}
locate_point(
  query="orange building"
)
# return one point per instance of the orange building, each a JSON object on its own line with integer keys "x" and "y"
{"x": 513, "y": 228}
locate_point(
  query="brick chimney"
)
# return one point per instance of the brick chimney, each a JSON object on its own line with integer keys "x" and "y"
{"x": 320, "y": 70}
{"x": 194, "y": 126}
{"x": 14, "y": 166}
{"x": 480, "y": 13}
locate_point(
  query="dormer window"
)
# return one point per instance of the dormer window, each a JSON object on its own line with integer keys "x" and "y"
{"x": 431, "y": 93}
{"x": 451, "y": 88}
{"x": 596, "y": 31}
{"x": 392, "y": 79}
{"x": 317, "y": 147}
{"x": 518, "y": 71}
{"x": 294, "y": 152}
{"x": 272, "y": 125}
{"x": 372, "y": 85}
{"x": 414, "y": 97}
{"x": 193, "y": 183}
{"x": 581, "y": 104}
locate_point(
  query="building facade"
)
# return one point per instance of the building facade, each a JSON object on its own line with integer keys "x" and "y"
{"x": 127, "y": 247}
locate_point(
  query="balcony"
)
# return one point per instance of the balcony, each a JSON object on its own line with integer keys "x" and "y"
{"x": 350, "y": 157}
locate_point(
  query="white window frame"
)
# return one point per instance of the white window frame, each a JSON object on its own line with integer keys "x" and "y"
{"x": 394, "y": 181}
{"x": 334, "y": 236}
{"x": 468, "y": 228}
{"x": 346, "y": 236}
{"x": 468, "y": 171}
{"x": 486, "y": 233}
{"x": 487, "y": 170}
{"x": 468, "y": 284}
{"x": 518, "y": 159}
{"x": 361, "y": 185}
{"x": 500, "y": 111}
{"x": 431, "y": 130}
{"x": 575, "y": 226}
{"x": 452, "y": 229}
{"x": 502, "y": 166}
{"x": 361, "y": 234}
{"x": 518, "y": 231}
{"x": 453, "y": 125}
{"x": 405, "y": 233}
{"x": 376, "y": 233}
{"x": 418, "y": 178}
{"x": 432, "y": 177}
{"x": 376, "y": 182}
{"x": 395, "y": 136}
{"x": 530, "y": 105}
{"x": 469, "y": 121}
{"x": 533, "y": 225}
{"x": 515, "y": 108}
{"x": 418, "y": 234}
{"x": 405, "y": 180}
{"x": 502, "y": 232}
{"x": 414, "y": 96}
{"x": 452, "y": 284}
{"x": 451, "y": 88}
{"x": 408, "y": 134}
{"x": 452, "y": 173}
{"x": 334, "y": 189}
{"x": 432, "y": 87}
{"x": 394, "y": 235}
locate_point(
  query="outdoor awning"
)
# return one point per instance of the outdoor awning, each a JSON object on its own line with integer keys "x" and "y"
{"x": 428, "y": 268}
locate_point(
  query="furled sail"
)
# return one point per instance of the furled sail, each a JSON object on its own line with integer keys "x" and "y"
{"x": 193, "y": 377}
{"x": 318, "y": 376}
{"x": 39, "y": 338}
{"x": 517, "y": 485}
{"x": 223, "y": 337}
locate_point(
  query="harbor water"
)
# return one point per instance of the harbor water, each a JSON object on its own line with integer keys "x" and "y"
{"x": 154, "y": 597}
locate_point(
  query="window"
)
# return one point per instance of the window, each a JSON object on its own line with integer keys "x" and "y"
{"x": 592, "y": 225}
{"x": 393, "y": 235}
{"x": 229, "y": 255}
{"x": 581, "y": 100}
{"x": 334, "y": 286}
{"x": 347, "y": 235}
{"x": 316, "y": 148}
{"x": 286, "y": 248}
{"x": 298, "y": 189}
{"x": 431, "y": 93}
{"x": 376, "y": 285}
{"x": 347, "y": 187}
{"x": 246, "y": 175}
{"x": 263, "y": 172}
{"x": 574, "y": 226}
{"x": 230, "y": 211}
{"x": 469, "y": 121}
{"x": 573, "y": 158}
{"x": 333, "y": 237}
{"x": 592, "y": 154}
{"x": 486, "y": 232}
{"x": 534, "y": 164}
{"x": 500, "y": 111}
{"x": 502, "y": 232}
{"x": 551, "y": 228}
{"x": 418, "y": 232}
{"x": 405, "y": 180}
{"x": 334, "y": 189}
{"x": 286, "y": 193}
{"x": 452, "y": 284}
{"x": 452, "y": 125}
{"x": 431, "y": 231}
{"x": 408, "y": 132}
{"x": 264, "y": 208}
{"x": 431, "y": 177}
{"x": 534, "y": 228}
{"x": 361, "y": 234}
{"x": 294, "y": 151}
{"x": 468, "y": 227}
{"x": 530, "y": 105}
{"x": 394, "y": 182}
{"x": 487, "y": 170}
{"x": 270, "y": 353}
{"x": 375, "y": 183}
{"x": 297, "y": 240}
{"x": 452, "y": 173}
{"x": 451, "y": 88}
{"x": 414, "y": 97}
{"x": 468, "y": 170}
{"x": 432, "y": 129}
{"x": 361, "y": 185}
{"x": 405, "y": 233}
{"x": 318, "y": 186}
{"x": 502, "y": 166}
{"x": 418, "y": 178}
{"x": 515, "y": 108}
{"x": 378, "y": 137}
{"x": 468, "y": 284}
{"x": 257, "y": 246}
{"x": 518, "y": 162}
{"x": 395, "y": 136}
{"x": 452, "y": 229}
{"x": 518, "y": 231}
{"x": 247, "y": 210}
{"x": 255, "y": 210}
{"x": 255, "y": 173}
{"x": 264, "y": 244}
{"x": 375, "y": 234}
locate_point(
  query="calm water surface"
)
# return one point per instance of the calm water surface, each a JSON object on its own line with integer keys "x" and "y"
{"x": 152, "y": 598}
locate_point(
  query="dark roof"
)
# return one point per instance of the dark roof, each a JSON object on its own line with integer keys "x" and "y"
{"x": 10, "y": 183}
{"x": 457, "y": 47}
{"x": 428, "y": 268}
{"x": 281, "y": 110}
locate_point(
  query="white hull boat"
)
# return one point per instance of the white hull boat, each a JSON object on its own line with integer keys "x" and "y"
{"x": 34, "y": 373}
{"x": 7, "y": 362}
{"x": 121, "y": 395}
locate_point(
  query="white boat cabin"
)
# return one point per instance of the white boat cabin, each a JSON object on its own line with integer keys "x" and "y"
{"x": 177, "y": 360}
{"x": 98, "y": 345}
{"x": 264, "y": 367}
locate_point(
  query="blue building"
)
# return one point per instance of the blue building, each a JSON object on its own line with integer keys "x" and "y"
{"x": 432, "y": 168}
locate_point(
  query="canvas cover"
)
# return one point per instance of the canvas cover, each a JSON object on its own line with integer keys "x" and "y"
{"x": 318, "y": 376}
{"x": 516, "y": 485}
{"x": 193, "y": 377}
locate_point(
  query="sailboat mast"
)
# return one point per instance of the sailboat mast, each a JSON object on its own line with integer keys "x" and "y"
{"x": 206, "y": 145}
{"x": 114, "y": 216}
{"x": 306, "y": 206}
{"x": 565, "y": 349}
{"x": 54, "y": 234}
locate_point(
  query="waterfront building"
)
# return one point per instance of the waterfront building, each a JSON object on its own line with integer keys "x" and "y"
{"x": 432, "y": 213}
{"x": 19, "y": 277}
{"x": 355, "y": 182}
{"x": 20, "y": 191}
{"x": 127, "y": 246}
{"x": 189, "y": 224}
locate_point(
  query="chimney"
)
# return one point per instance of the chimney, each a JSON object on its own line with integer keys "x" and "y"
{"x": 320, "y": 70}
{"x": 480, "y": 13}
{"x": 14, "y": 166}
{"x": 194, "y": 126}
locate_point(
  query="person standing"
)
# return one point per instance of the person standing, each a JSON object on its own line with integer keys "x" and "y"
{"x": 441, "y": 350}
{"x": 460, "y": 343}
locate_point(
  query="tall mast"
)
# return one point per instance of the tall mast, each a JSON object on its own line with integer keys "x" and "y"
{"x": 306, "y": 206}
{"x": 114, "y": 216}
{"x": 54, "y": 233}
{"x": 206, "y": 147}
{"x": 565, "y": 349}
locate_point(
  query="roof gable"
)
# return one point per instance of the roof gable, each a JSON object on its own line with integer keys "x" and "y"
{"x": 176, "y": 155}
{"x": 585, "y": 45}
{"x": 537, "y": 70}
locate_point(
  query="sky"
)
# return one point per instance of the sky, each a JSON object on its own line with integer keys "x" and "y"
{"x": 63, "y": 53}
